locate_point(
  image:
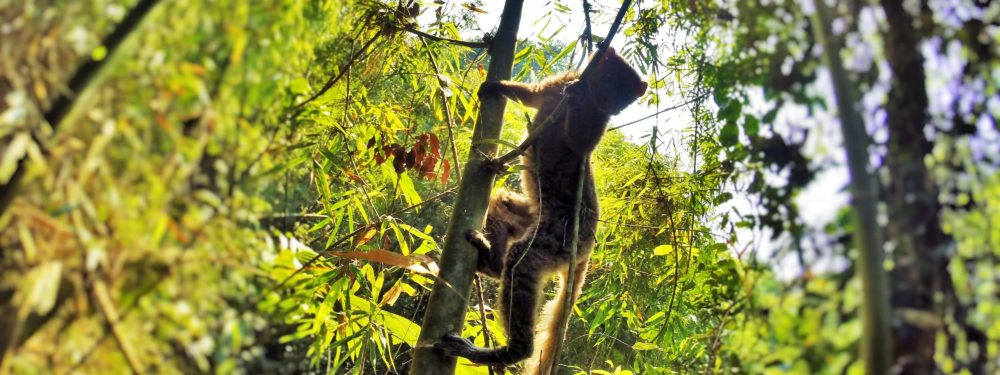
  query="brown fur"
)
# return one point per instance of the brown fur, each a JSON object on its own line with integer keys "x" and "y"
{"x": 507, "y": 220}
{"x": 549, "y": 183}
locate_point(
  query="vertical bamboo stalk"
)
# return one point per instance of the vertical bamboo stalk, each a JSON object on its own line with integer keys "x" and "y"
{"x": 875, "y": 338}
{"x": 446, "y": 308}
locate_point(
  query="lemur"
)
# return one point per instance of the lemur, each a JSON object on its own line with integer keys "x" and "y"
{"x": 530, "y": 255}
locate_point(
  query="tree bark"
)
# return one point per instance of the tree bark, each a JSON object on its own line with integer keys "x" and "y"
{"x": 446, "y": 308}
{"x": 914, "y": 225}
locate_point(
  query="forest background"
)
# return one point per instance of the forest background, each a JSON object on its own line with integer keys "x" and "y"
{"x": 264, "y": 187}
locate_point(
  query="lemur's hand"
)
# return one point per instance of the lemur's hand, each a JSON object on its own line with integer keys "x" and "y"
{"x": 453, "y": 345}
{"x": 478, "y": 240}
{"x": 488, "y": 90}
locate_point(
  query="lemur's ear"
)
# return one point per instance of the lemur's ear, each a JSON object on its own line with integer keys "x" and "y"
{"x": 640, "y": 90}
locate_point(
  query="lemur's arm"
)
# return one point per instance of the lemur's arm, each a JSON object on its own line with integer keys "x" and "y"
{"x": 531, "y": 95}
{"x": 490, "y": 257}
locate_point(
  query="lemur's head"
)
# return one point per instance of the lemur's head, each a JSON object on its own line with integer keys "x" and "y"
{"x": 613, "y": 84}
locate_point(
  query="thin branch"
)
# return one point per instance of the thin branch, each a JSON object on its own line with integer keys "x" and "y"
{"x": 333, "y": 80}
{"x": 697, "y": 98}
{"x": 107, "y": 309}
{"x": 570, "y": 282}
{"x": 440, "y": 39}
{"x": 447, "y": 110}
{"x": 487, "y": 336}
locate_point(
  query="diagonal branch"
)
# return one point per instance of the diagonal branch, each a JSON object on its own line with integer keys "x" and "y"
{"x": 110, "y": 313}
{"x": 343, "y": 70}
{"x": 462, "y": 43}
{"x": 77, "y": 83}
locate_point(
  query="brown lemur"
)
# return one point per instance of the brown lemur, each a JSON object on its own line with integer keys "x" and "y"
{"x": 530, "y": 255}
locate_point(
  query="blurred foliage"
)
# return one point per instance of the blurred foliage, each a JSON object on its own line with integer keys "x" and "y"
{"x": 262, "y": 187}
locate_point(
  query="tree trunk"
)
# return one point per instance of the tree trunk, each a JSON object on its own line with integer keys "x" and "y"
{"x": 875, "y": 339}
{"x": 446, "y": 309}
{"x": 920, "y": 253}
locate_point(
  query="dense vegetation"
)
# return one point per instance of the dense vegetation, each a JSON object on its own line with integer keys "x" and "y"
{"x": 265, "y": 186}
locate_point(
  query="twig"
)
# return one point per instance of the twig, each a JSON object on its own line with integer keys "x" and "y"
{"x": 77, "y": 83}
{"x": 440, "y": 39}
{"x": 447, "y": 110}
{"x": 487, "y": 337}
{"x": 350, "y": 153}
{"x": 333, "y": 80}
{"x": 458, "y": 173}
{"x": 110, "y": 314}
{"x": 697, "y": 98}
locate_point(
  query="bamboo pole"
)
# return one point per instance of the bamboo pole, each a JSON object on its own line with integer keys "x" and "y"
{"x": 449, "y": 297}
{"x": 875, "y": 337}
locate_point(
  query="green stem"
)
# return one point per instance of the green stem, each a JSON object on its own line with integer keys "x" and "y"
{"x": 875, "y": 337}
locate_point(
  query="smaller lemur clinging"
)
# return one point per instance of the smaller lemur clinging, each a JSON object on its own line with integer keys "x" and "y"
{"x": 549, "y": 182}
{"x": 507, "y": 220}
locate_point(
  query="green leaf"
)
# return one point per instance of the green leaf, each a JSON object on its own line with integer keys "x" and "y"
{"x": 41, "y": 287}
{"x": 640, "y": 346}
{"x": 751, "y": 126}
{"x": 663, "y": 250}
{"x": 729, "y": 134}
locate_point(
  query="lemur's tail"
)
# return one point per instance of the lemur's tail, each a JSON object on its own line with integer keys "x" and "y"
{"x": 547, "y": 331}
